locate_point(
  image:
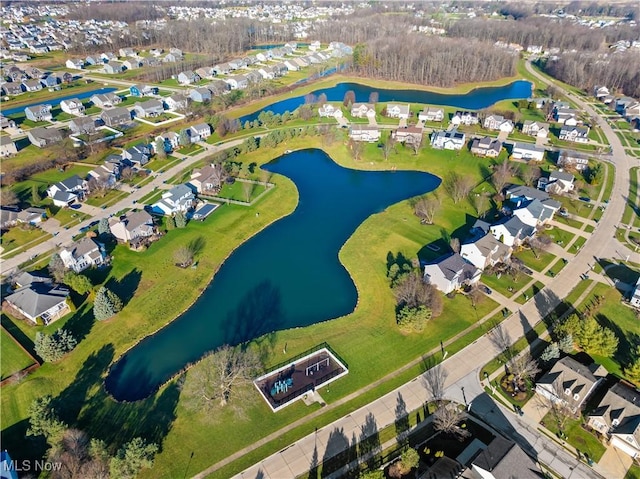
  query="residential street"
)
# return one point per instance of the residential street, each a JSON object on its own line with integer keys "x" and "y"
{"x": 462, "y": 383}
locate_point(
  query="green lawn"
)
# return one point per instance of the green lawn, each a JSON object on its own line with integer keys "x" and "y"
{"x": 152, "y": 197}
{"x": 633, "y": 472}
{"x": 21, "y": 235}
{"x": 556, "y": 268}
{"x": 543, "y": 259}
{"x": 506, "y": 284}
{"x": 631, "y": 207}
{"x": 560, "y": 236}
{"x": 236, "y": 191}
{"x": 577, "y": 244}
{"x": 13, "y": 358}
{"x": 577, "y": 436}
{"x": 112, "y": 196}
{"x": 529, "y": 293}
{"x": 159, "y": 165}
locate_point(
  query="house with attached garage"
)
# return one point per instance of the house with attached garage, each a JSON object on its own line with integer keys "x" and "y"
{"x": 363, "y": 110}
{"x": 7, "y": 147}
{"x": 451, "y": 272}
{"x": 409, "y": 135}
{"x": 617, "y": 418}
{"x": 199, "y": 132}
{"x": 577, "y": 161}
{"x": 67, "y": 191}
{"x": 127, "y": 52}
{"x": 207, "y": 178}
{"x": 50, "y": 81}
{"x": 40, "y": 300}
{"x": 527, "y": 152}
{"x": 535, "y": 128}
{"x": 73, "y": 106}
{"x": 485, "y": 251}
{"x": 567, "y": 116}
{"x": 431, "y": 114}
{"x": 328, "y": 110}
{"x": 137, "y": 155}
{"x": 364, "y": 133}
{"x": 149, "y": 108}
{"x": 105, "y": 175}
{"x": 498, "y": 460}
{"x": 180, "y": 198}
{"x": 532, "y": 206}
{"x": 600, "y": 91}
{"x": 83, "y": 125}
{"x": 105, "y": 100}
{"x": 143, "y": 90}
{"x": 487, "y": 146}
{"x": 222, "y": 69}
{"x": 570, "y": 383}
{"x": 577, "y": 134}
{"x": 559, "y": 182}
{"x": 464, "y": 118}
{"x": 76, "y": 64}
{"x": 170, "y": 139}
{"x": 511, "y": 231}
{"x": 81, "y": 255}
{"x": 132, "y": 226}
{"x": 131, "y": 64}
{"x": 632, "y": 111}
{"x": 38, "y": 113}
{"x": 187, "y": 77}
{"x": 32, "y": 85}
{"x": 448, "y": 140}
{"x": 43, "y": 137}
{"x": 200, "y": 94}
{"x": 498, "y": 123}
{"x": 237, "y": 82}
{"x": 116, "y": 116}
{"x": 12, "y": 89}
{"x": 113, "y": 67}
{"x": 395, "y": 110}
{"x": 205, "y": 72}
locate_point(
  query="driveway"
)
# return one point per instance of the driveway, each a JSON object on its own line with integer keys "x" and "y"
{"x": 615, "y": 463}
{"x": 502, "y": 136}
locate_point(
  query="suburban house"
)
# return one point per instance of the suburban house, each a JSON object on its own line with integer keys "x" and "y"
{"x": 464, "y": 118}
{"x": 448, "y": 140}
{"x": 632, "y": 111}
{"x": 7, "y": 147}
{"x": 431, "y": 114}
{"x": 558, "y": 182}
{"x": 127, "y": 52}
{"x": 170, "y": 139}
{"x": 207, "y": 178}
{"x": 486, "y": 146}
{"x": 502, "y": 459}
{"x": 107, "y": 57}
{"x": 617, "y": 418}
{"x": 450, "y": 273}
{"x": 570, "y": 383}
{"x": 137, "y": 155}
{"x": 410, "y": 135}
{"x": 38, "y": 113}
{"x": 72, "y": 106}
{"x": 8, "y": 217}
{"x": 113, "y": 67}
{"x": 105, "y": 100}
{"x": 143, "y": 90}
{"x": 50, "y": 81}
{"x": 200, "y": 94}
{"x": 149, "y": 108}
{"x": 6, "y": 122}
{"x": 205, "y": 72}
{"x": 199, "y": 132}
{"x": 67, "y": 191}
{"x": 12, "y": 89}
{"x": 82, "y": 125}
{"x": 364, "y": 133}
{"x": 622, "y": 103}
{"x": 40, "y": 300}
{"x": 527, "y": 152}
{"x": 532, "y": 203}
{"x": 42, "y": 137}
{"x": 578, "y": 134}
{"x": 237, "y": 82}
{"x": 187, "y": 77}
{"x": 32, "y": 216}
{"x": 363, "y": 110}
{"x": 103, "y": 175}
{"x": 81, "y": 255}
{"x": 131, "y": 64}
{"x": 134, "y": 225}
{"x": 178, "y": 198}
{"x": 511, "y": 230}
{"x": 498, "y": 123}
{"x": 485, "y": 251}
{"x": 76, "y": 64}
{"x": 395, "y": 110}
{"x": 567, "y": 159}
{"x": 635, "y": 296}
{"x": 222, "y": 69}
{"x": 535, "y": 128}
{"x": 567, "y": 116}
{"x": 177, "y": 101}
{"x": 116, "y": 116}
{"x": 600, "y": 91}
{"x": 32, "y": 85}
{"x": 328, "y": 110}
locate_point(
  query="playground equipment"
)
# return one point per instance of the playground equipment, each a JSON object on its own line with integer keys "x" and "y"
{"x": 314, "y": 368}
{"x": 281, "y": 386}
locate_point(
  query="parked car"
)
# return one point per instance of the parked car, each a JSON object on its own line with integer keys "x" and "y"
{"x": 485, "y": 289}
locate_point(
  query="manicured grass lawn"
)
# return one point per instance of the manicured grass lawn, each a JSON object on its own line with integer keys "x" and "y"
{"x": 576, "y": 207}
{"x": 192, "y": 148}
{"x": 236, "y": 191}
{"x": 538, "y": 263}
{"x": 13, "y": 357}
{"x": 160, "y": 165}
{"x": 608, "y": 187}
{"x": 578, "y": 437}
{"x": 530, "y": 292}
{"x": 21, "y": 235}
{"x": 152, "y": 197}
{"x": 572, "y": 222}
{"x": 632, "y": 207}
{"x": 560, "y": 236}
{"x": 502, "y": 284}
{"x": 112, "y": 196}
{"x": 633, "y": 472}
{"x": 556, "y": 268}
{"x": 46, "y": 178}
{"x": 588, "y": 229}
{"x": 69, "y": 217}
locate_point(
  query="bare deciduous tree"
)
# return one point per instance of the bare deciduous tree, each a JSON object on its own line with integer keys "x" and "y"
{"x": 454, "y": 244}
{"x": 412, "y": 291}
{"x": 434, "y": 379}
{"x": 356, "y": 148}
{"x": 387, "y": 147}
{"x": 529, "y": 174}
{"x": 183, "y": 256}
{"x": 523, "y": 367}
{"x": 458, "y": 186}
{"x": 539, "y": 243}
{"x": 501, "y": 175}
{"x": 221, "y": 378}
{"x": 447, "y": 419}
{"x": 426, "y": 208}
{"x": 247, "y": 189}
{"x": 8, "y": 197}
{"x": 480, "y": 203}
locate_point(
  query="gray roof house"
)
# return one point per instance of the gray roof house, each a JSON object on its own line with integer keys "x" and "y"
{"x": 134, "y": 225}
{"x": 82, "y": 255}
{"x": 486, "y": 146}
{"x": 485, "y": 251}
{"x": 40, "y": 300}
{"x": 200, "y": 94}
{"x": 83, "y": 125}
{"x": 178, "y": 198}
{"x": 395, "y": 110}
{"x": 187, "y": 77}
{"x": 38, "y": 112}
{"x": 504, "y": 459}
{"x": 536, "y": 212}
{"x": 617, "y": 417}
{"x": 199, "y": 132}
{"x": 149, "y": 108}
{"x": 451, "y": 272}
{"x": 511, "y": 230}
{"x": 116, "y": 116}
{"x": 570, "y": 383}
{"x": 105, "y": 100}
{"x": 206, "y": 178}
{"x": 7, "y": 146}
{"x": 137, "y": 154}
{"x": 67, "y": 191}
{"x": 448, "y": 140}
{"x": 42, "y": 137}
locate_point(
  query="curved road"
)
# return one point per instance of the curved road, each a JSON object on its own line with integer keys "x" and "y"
{"x": 462, "y": 369}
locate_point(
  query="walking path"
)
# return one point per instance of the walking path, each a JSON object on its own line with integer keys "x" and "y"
{"x": 462, "y": 383}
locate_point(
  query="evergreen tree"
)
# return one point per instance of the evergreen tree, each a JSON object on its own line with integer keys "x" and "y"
{"x": 632, "y": 371}
{"x": 413, "y": 319}
{"x": 35, "y": 195}
{"x": 44, "y": 421}
{"x": 170, "y": 223}
{"x": 161, "y": 153}
{"x": 565, "y": 343}
{"x": 103, "y": 226}
{"x": 132, "y": 458}
{"x": 56, "y": 268}
{"x": 106, "y": 304}
{"x": 551, "y": 352}
{"x": 53, "y": 347}
{"x": 77, "y": 282}
{"x": 180, "y": 219}
{"x": 596, "y": 339}
{"x": 184, "y": 138}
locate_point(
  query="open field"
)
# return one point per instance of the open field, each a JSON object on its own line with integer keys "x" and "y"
{"x": 14, "y": 358}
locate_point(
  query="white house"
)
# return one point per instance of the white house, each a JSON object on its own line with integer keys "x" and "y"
{"x": 431, "y": 114}
{"x": 328, "y": 110}
{"x": 485, "y": 251}
{"x": 82, "y": 255}
{"x": 72, "y": 106}
{"x": 559, "y": 182}
{"x": 67, "y": 191}
{"x": 134, "y": 225}
{"x": 577, "y": 134}
{"x": 535, "y": 128}
{"x": 178, "y": 199}
{"x": 527, "y": 151}
{"x": 498, "y": 123}
{"x": 451, "y": 272}
{"x": 511, "y": 231}
{"x": 363, "y": 110}
{"x": 199, "y": 132}
{"x": 464, "y": 118}
{"x": 76, "y": 64}
{"x": 395, "y": 110}
{"x": 576, "y": 161}
{"x": 7, "y": 147}
{"x": 207, "y": 178}
{"x": 364, "y": 133}
{"x": 448, "y": 140}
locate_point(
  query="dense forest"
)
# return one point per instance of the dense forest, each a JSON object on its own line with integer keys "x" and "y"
{"x": 432, "y": 61}
{"x": 620, "y": 71}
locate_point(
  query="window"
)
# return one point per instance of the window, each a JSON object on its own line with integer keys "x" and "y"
{"x": 567, "y": 392}
{"x": 576, "y": 397}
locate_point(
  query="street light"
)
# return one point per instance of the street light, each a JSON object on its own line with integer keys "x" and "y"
{"x": 464, "y": 397}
